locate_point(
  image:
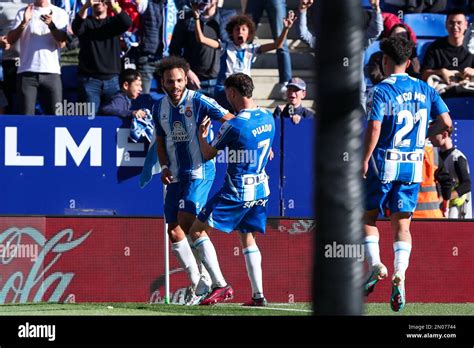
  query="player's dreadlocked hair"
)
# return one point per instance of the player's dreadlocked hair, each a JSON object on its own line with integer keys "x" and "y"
{"x": 399, "y": 49}
{"x": 242, "y": 83}
{"x": 172, "y": 62}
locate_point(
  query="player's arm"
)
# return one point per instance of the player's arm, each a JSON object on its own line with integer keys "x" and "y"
{"x": 287, "y": 24}
{"x": 442, "y": 123}
{"x": 207, "y": 150}
{"x": 166, "y": 177}
{"x": 200, "y": 37}
{"x": 372, "y": 136}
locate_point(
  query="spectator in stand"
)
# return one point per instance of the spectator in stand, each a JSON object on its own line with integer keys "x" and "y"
{"x": 448, "y": 66}
{"x": 150, "y": 49}
{"x": 99, "y": 56}
{"x": 276, "y": 10}
{"x": 294, "y": 109}
{"x": 375, "y": 66}
{"x": 4, "y": 45}
{"x": 40, "y": 29}
{"x": 204, "y": 60}
{"x": 305, "y": 34}
{"x": 238, "y": 54}
{"x": 415, "y": 6}
{"x": 460, "y": 202}
{"x": 121, "y": 103}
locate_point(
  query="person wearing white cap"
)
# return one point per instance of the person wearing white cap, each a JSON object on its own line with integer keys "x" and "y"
{"x": 295, "y": 93}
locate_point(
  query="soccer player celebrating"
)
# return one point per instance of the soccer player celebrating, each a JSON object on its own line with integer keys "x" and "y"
{"x": 187, "y": 175}
{"x": 398, "y": 111}
{"x": 241, "y": 203}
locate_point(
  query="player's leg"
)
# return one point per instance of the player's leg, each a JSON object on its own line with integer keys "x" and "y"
{"x": 402, "y": 204}
{"x": 194, "y": 197}
{"x": 179, "y": 244}
{"x": 254, "y": 220}
{"x": 376, "y": 194}
{"x": 253, "y": 263}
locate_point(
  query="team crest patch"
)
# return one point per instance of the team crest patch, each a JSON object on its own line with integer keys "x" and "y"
{"x": 188, "y": 112}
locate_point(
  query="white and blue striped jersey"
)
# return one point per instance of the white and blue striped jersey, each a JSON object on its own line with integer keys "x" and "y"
{"x": 179, "y": 125}
{"x": 404, "y": 105}
{"x": 247, "y": 140}
{"x": 236, "y": 59}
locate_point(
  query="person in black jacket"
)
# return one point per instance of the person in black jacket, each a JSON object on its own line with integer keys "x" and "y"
{"x": 99, "y": 56}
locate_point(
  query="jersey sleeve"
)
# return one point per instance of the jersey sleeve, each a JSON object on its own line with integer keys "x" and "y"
{"x": 375, "y": 105}
{"x": 438, "y": 106}
{"x": 160, "y": 132}
{"x": 225, "y": 136}
{"x": 211, "y": 108}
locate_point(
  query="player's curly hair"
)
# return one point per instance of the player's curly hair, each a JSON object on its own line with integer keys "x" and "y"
{"x": 172, "y": 62}
{"x": 242, "y": 83}
{"x": 398, "y": 48}
{"x": 239, "y": 20}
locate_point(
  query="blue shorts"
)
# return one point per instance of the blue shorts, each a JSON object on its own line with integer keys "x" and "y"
{"x": 189, "y": 196}
{"x": 396, "y": 195}
{"x": 227, "y": 215}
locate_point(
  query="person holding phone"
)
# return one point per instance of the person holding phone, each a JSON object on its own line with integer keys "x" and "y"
{"x": 99, "y": 56}
{"x": 40, "y": 29}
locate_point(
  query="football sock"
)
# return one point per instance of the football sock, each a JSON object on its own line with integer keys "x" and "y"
{"x": 402, "y": 252}
{"x": 372, "y": 250}
{"x": 182, "y": 251}
{"x": 208, "y": 255}
{"x": 253, "y": 262}
{"x": 202, "y": 268}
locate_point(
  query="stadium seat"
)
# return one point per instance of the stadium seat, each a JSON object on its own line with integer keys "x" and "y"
{"x": 421, "y": 48}
{"x": 375, "y": 47}
{"x": 427, "y": 24}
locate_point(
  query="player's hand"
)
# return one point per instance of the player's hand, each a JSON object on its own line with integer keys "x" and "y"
{"x": 28, "y": 14}
{"x": 365, "y": 168}
{"x": 305, "y": 4}
{"x": 271, "y": 154}
{"x": 289, "y": 20}
{"x": 446, "y": 75}
{"x": 375, "y": 5}
{"x": 196, "y": 12}
{"x": 47, "y": 18}
{"x": 193, "y": 81}
{"x": 205, "y": 127}
{"x": 166, "y": 177}
{"x": 443, "y": 206}
{"x": 139, "y": 114}
{"x": 468, "y": 73}
{"x": 295, "y": 119}
{"x": 4, "y": 43}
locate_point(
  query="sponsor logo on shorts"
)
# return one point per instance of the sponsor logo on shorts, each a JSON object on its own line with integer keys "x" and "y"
{"x": 250, "y": 204}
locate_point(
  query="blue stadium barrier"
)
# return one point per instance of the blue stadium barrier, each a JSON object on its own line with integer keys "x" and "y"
{"x": 72, "y": 165}
{"x": 421, "y": 48}
{"x": 461, "y": 108}
{"x": 427, "y": 24}
{"x": 298, "y": 168}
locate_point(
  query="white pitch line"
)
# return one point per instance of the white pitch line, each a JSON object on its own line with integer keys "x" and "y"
{"x": 282, "y": 309}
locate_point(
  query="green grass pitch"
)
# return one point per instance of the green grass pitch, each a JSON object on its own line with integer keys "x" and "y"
{"x": 273, "y": 309}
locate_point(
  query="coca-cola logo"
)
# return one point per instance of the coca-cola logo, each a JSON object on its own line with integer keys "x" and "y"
{"x": 297, "y": 227}
{"x": 18, "y": 281}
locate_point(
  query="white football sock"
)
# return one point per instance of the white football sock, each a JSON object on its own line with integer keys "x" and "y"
{"x": 208, "y": 255}
{"x": 182, "y": 251}
{"x": 202, "y": 268}
{"x": 372, "y": 250}
{"x": 402, "y": 252}
{"x": 253, "y": 261}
